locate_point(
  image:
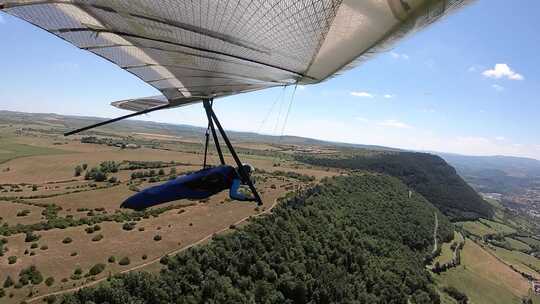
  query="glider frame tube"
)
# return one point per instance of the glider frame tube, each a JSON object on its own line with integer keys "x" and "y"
{"x": 212, "y": 117}
{"x": 208, "y": 108}
{"x": 99, "y": 124}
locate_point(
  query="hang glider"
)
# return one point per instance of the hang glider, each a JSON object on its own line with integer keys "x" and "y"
{"x": 192, "y": 50}
{"x": 196, "y": 51}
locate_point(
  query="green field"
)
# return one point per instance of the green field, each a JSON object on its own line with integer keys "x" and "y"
{"x": 477, "y": 288}
{"x": 518, "y": 245}
{"x": 476, "y": 228}
{"x": 529, "y": 241}
{"x": 518, "y": 259}
{"x": 10, "y": 150}
{"x": 499, "y": 227}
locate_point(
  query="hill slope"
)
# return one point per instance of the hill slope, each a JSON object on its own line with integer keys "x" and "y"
{"x": 500, "y": 174}
{"x": 428, "y": 174}
{"x": 352, "y": 239}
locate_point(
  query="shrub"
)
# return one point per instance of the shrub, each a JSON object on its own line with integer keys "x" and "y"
{"x": 30, "y": 274}
{"x": 64, "y": 280}
{"x": 157, "y": 237}
{"x": 164, "y": 260}
{"x": 31, "y": 237}
{"x": 460, "y": 297}
{"x": 112, "y": 259}
{"x": 50, "y": 299}
{"x": 49, "y": 281}
{"x": 34, "y": 245}
{"x": 67, "y": 240}
{"x": 8, "y": 282}
{"x": 97, "y": 238}
{"x": 73, "y": 253}
{"x": 124, "y": 261}
{"x": 24, "y": 212}
{"x": 96, "y": 269}
{"x": 44, "y": 247}
{"x": 2, "y": 293}
{"x": 77, "y": 271}
{"x": 129, "y": 226}
{"x": 141, "y": 228}
{"x": 113, "y": 179}
{"x": 144, "y": 256}
{"x": 78, "y": 170}
{"x": 12, "y": 259}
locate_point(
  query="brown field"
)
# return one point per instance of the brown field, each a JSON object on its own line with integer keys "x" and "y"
{"x": 54, "y": 175}
{"x": 493, "y": 270}
{"x": 10, "y": 210}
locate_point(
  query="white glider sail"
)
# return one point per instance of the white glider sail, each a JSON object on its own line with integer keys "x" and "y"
{"x": 191, "y": 50}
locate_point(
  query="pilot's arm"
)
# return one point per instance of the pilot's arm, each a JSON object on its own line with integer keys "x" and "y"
{"x": 235, "y": 194}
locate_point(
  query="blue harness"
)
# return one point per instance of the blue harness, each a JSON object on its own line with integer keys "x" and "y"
{"x": 197, "y": 185}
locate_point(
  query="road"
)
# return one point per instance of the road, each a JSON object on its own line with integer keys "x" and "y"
{"x": 435, "y": 241}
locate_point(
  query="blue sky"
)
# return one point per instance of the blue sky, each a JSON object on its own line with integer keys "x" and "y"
{"x": 467, "y": 84}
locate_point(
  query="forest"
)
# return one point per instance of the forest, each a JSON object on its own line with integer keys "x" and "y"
{"x": 352, "y": 239}
{"x": 427, "y": 174}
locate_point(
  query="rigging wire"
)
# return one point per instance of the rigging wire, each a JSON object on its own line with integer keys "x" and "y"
{"x": 278, "y": 118}
{"x": 271, "y": 109}
{"x": 288, "y": 112}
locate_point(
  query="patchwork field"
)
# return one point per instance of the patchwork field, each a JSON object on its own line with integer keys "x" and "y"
{"x": 71, "y": 228}
{"x": 484, "y": 279}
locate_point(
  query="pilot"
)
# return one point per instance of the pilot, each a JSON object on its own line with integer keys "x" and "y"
{"x": 197, "y": 185}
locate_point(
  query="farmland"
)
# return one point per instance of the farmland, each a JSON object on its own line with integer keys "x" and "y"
{"x": 81, "y": 234}
{"x": 484, "y": 279}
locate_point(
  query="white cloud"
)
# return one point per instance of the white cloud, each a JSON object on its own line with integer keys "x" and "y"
{"x": 301, "y": 87}
{"x": 399, "y": 56}
{"x": 391, "y": 123}
{"x": 388, "y": 96}
{"x": 428, "y": 111}
{"x": 502, "y": 70}
{"x": 362, "y": 94}
{"x": 500, "y": 138}
{"x": 497, "y": 87}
